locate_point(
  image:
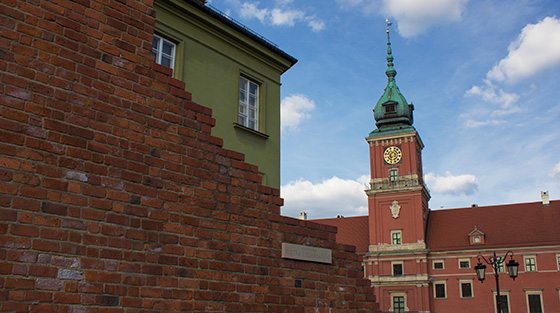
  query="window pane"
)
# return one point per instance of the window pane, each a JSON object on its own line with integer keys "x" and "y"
{"x": 165, "y": 61}
{"x": 248, "y": 103}
{"x": 253, "y": 89}
{"x": 504, "y": 304}
{"x": 396, "y": 238}
{"x": 464, "y": 264}
{"x": 530, "y": 265}
{"x": 535, "y": 304}
{"x": 168, "y": 48}
{"x": 466, "y": 290}
{"x": 501, "y": 268}
{"x": 397, "y": 269}
{"x": 155, "y": 45}
{"x": 438, "y": 265}
{"x": 398, "y": 304}
{"x": 252, "y": 100}
{"x": 252, "y": 113}
{"x": 440, "y": 291}
{"x": 164, "y": 51}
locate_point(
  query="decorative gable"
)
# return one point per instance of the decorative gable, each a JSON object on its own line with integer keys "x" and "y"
{"x": 477, "y": 237}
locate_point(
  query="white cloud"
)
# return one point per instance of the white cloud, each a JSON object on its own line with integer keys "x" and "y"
{"x": 492, "y": 94}
{"x": 416, "y": 16}
{"x": 475, "y": 124}
{"x": 345, "y": 3}
{"x": 556, "y": 171}
{"x": 281, "y": 15}
{"x": 251, "y": 10}
{"x": 413, "y": 16}
{"x": 294, "y": 109}
{"x": 316, "y": 25}
{"x": 537, "y": 48}
{"x": 285, "y": 17}
{"x": 449, "y": 184}
{"x": 326, "y": 199}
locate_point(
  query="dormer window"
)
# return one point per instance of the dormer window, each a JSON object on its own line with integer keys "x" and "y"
{"x": 390, "y": 107}
{"x": 476, "y": 237}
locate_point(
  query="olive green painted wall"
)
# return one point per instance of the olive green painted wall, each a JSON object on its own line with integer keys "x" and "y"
{"x": 210, "y": 58}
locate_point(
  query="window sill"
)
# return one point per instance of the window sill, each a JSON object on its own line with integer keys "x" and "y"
{"x": 258, "y": 133}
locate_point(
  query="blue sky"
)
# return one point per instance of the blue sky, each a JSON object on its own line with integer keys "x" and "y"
{"x": 484, "y": 77}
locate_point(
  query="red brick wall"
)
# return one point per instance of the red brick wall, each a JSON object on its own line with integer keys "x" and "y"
{"x": 114, "y": 195}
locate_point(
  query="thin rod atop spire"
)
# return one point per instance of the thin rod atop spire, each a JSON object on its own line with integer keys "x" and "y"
{"x": 390, "y": 72}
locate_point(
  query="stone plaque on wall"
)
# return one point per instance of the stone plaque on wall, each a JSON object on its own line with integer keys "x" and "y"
{"x": 306, "y": 253}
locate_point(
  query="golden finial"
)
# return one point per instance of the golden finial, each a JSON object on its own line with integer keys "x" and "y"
{"x": 388, "y": 24}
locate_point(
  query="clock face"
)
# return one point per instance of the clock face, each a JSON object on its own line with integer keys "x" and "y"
{"x": 392, "y": 155}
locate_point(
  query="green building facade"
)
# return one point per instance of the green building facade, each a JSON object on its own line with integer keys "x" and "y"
{"x": 231, "y": 70}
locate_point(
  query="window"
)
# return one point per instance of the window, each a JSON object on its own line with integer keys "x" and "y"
{"x": 398, "y": 304}
{"x": 397, "y": 269}
{"x": 534, "y": 303}
{"x": 476, "y": 239}
{"x": 504, "y": 302}
{"x": 164, "y": 51}
{"x": 530, "y": 264}
{"x": 464, "y": 263}
{"x": 439, "y": 290}
{"x": 501, "y": 268}
{"x": 438, "y": 265}
{"x": 558, "y": 261}
{"x": 396, "y": 237}
{"x": 466, "y": 289}
{"x": 390, "y": 107}
{"x": 398, "y": 301}
{"x": 393, "y": 174}
{"x": 248, "y": 103}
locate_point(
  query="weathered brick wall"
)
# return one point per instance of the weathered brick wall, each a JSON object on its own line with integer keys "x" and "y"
{"x": 114, "y": 195}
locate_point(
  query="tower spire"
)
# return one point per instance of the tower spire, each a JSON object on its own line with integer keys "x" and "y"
{"x": 392, "y": 113}
{"x": 390, "y": 72}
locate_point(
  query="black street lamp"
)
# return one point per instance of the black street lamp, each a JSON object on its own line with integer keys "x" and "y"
{"x": 495, "y": 262}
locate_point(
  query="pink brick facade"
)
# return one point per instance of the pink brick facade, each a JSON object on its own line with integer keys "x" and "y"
{"x": 114, "y": 195}
{"x": 421, "y": 260}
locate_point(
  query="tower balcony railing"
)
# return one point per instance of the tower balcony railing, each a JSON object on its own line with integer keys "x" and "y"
{"x": 400, "y": 182}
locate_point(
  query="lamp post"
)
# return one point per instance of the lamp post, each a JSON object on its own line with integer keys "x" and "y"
{"x": 495, "y": 262}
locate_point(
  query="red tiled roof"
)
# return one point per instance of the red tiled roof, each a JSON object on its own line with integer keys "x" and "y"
{"x": 510, "y": 225}
{"x": 351, "y": 231}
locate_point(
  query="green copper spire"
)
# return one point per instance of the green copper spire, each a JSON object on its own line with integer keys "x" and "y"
{"x": 392, "y": 113}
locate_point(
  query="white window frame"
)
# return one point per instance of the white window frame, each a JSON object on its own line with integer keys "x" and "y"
{"x": 440, "y": 282}
{"x": 159, "y": 50}
{"x": 463, "y": 260}
{"x": 529, "y": 292}
{"x": 502, "y": 293}
{"x": 245, "y": 105}
{"x": 530, "y": 257}
{"x": 438, "y": 261}
{"x": 465, "y": 281}
{"x": 401, "y": 263}
{"x": 393, "y": 294}
{"x": 394, "y": 232}
{"x": 558, "y": 262}
{"x": 501, "y": 268}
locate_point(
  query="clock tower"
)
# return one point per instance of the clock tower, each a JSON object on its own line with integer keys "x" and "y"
{"x": 396, "y": 261}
